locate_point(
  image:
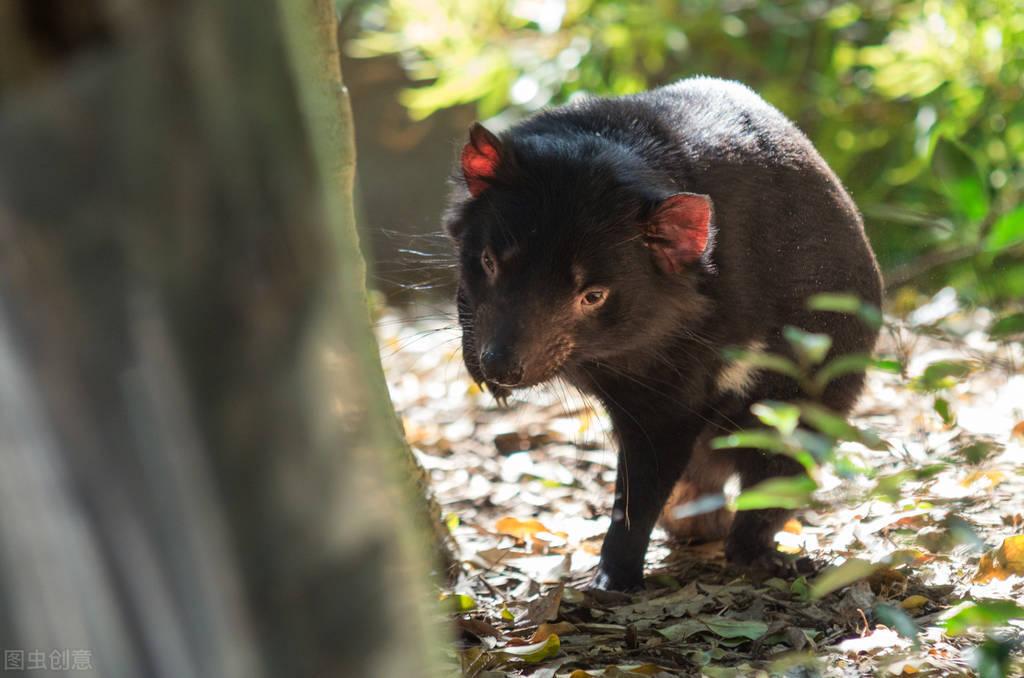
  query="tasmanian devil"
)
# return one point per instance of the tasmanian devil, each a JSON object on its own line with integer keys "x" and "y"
{"x": 621, "y": 244}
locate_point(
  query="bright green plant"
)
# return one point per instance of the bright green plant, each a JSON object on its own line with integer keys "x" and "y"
{"x": 919, "y": 105}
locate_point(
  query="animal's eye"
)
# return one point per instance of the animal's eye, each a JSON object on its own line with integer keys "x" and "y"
{"x": 487, "y": 261}
{"x": 593, "y": 297}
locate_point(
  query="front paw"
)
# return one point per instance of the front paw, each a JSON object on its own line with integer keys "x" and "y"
{"x": 607, "y": 580}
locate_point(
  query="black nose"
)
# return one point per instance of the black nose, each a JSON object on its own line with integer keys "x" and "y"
{"x": 500, "y": 366}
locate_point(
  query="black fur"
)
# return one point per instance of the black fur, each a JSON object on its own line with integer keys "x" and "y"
{"x": 566, "y": 209}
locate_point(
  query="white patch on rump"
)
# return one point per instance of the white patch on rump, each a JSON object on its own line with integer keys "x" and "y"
{"x": 738, "y": 377}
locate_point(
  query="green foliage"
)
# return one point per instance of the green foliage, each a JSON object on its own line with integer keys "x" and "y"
{"x": 834, "y": 578}
{"x": 992, "y": 658}
{"x": 918, "y": 105}
{"x": 788, "y": 493}
{"x": 942, "y": 374}
{"x": 869, "y": 314}
{"x": 1007, "y": 326}
{"x": 900, "y": 621}
{"x": 985, "y": 615}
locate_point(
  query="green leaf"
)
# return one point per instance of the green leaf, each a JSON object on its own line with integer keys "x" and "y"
{"x": 838, "y": 302}
{"x": 942, "y": 374}
{"x": 1007, "y": 326}
{"x": 991, "y": 659}
{"x": 891, "y": 486}
{"x": 781, "y": 416}
{"x": 944, "y": 410}
{"x": 835, "y": 578}
{"x": 836, "y": 426}
{"x": 896, "y": 618}
{"x": 828, "y": 422}
{"x": 809, "y": 347}
{"x": 535, "y": 652}
{"x": 820, "y": 446}
{"x": 787, "y": 492}
{"x": 766, "y": 361}
{"x": 960, "y": 178}
{"x": 887, "y": 365}
{"x": 801, "y": 589}
{"x": 841, "y": 366}
{"x": 978, "y": 451}
{"x": 764, "y": 439}
{"x": 1007, "y": 231}
{"x": 735, "y": 628}
{"x": 459, "y": 602}
{"x": 970, "y": 615}
{"x": 847, "y": 303}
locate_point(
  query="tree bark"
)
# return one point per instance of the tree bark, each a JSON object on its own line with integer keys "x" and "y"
{"x": 199, "y": 463}
{"x": 340, "y": 163}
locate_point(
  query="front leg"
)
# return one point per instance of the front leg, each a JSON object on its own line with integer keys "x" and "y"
{"x": 652, "y": 457}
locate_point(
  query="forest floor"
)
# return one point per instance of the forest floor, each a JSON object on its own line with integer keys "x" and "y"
{"x": 922, "y": 549}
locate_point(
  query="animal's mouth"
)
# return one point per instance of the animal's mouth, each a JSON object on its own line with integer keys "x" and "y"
{"x": 541, "y": 369}
{"x": 501, "y": 391}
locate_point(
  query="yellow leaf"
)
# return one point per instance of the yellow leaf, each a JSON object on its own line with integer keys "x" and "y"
{"x": 507, "y": 615}
{"x": 459, "y": 602}
{"x": 913, "y": 602}
{"x": 535, "y": 652}
{"x": 993, "y": 478}
{"x": 586, "y": 419}
{"x": 793, "y": 526}
{"x": 1002, "y": 562}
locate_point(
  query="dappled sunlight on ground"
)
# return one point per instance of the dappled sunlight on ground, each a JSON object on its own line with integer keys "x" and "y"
{"x": 527, "y": 489}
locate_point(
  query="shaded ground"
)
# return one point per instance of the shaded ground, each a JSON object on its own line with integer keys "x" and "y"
{"x": 527, "y": 490}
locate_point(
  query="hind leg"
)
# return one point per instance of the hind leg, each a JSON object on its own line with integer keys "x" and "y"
{"x": 751, "y": 539}
{"x": 705, "y": 475}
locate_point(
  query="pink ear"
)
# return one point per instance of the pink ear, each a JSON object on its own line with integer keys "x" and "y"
{"x": 480, "y": 158}
{"x": 677, "y": 234}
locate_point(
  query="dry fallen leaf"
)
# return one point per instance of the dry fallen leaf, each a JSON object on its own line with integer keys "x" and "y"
{"x": 479, "y": 474}
{"x": 530, "y": 529}
{"x": 1018, "y": 431}
{"x": 993, "y": 478}
{"x": 478, "y": 627}
{"x": 878, "y": 640}
{"x": 545, "y": 630}
{"x": 543, "y": 608}
{"x": 1002, "y": 562}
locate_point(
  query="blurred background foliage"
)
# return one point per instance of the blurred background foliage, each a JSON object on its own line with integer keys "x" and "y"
{"x": 919, "y": 105}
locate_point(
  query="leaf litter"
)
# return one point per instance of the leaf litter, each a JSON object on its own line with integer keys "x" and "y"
{"x": 921, "y": 556}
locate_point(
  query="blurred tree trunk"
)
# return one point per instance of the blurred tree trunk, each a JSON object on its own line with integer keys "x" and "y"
{"x": 341, "y": 165}
{"x": 199, "y": 463}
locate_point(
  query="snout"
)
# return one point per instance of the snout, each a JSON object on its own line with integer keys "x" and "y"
{"x": 500, "y": 365}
